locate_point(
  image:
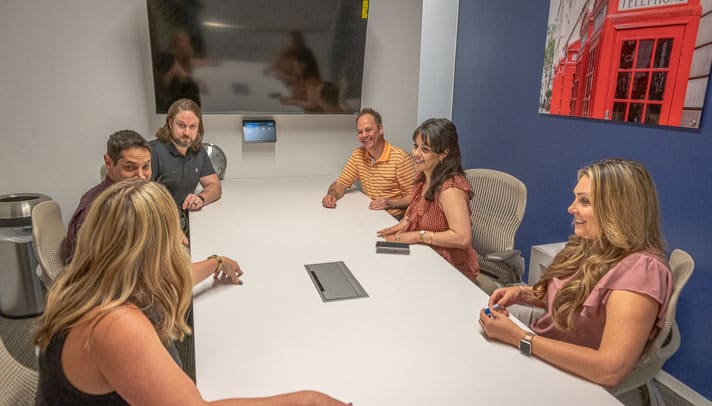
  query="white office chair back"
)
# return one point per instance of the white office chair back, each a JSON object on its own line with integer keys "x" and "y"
{"x": 49, "y": 232}
{"x": 668, "y": 339}
{"x": 497, "y": 209}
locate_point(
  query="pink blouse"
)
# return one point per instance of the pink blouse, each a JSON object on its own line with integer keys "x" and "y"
{"x": 641, "y": 272}
{"x": 429, "y": 216}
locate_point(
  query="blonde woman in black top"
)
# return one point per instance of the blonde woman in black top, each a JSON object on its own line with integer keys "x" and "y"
{"x": 112, "y": 316}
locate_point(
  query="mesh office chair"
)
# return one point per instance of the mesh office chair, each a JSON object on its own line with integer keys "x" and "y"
{"x": 217, "y": 158}
{"x": 666, "y": 343}
{"x": 497, "y": 209}
{"x": 49, "y": 232}
{"x": 18, "y": 383}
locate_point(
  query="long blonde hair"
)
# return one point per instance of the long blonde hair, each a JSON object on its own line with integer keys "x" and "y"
{"x": 128, "y": 252}
{"x": 625, "y": 204}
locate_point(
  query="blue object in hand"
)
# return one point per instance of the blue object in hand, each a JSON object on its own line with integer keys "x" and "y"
{"x": 488, "y": 312}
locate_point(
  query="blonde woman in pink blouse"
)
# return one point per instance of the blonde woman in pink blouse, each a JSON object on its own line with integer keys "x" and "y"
{"x": 605, "y": 294}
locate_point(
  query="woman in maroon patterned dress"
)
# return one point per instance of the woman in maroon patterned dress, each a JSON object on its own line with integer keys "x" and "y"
{"x": 439, "y": 213}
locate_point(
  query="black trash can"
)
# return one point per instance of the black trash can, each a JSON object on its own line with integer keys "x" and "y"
{"x": 21, "y": 293}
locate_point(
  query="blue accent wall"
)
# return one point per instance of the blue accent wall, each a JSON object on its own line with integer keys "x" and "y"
{"x": 500, "y": 52}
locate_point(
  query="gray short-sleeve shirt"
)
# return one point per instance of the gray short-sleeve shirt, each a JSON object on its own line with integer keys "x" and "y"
{"x": 180, "y": 174}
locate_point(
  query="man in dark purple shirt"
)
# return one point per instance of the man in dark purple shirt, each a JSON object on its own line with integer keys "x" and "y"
{"x": 127, "y": 156}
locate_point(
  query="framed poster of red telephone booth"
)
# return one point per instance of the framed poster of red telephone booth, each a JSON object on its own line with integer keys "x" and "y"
{"x": 635, "y": 61}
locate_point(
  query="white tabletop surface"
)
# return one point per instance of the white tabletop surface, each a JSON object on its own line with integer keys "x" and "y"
{"x": 414, "y": 341}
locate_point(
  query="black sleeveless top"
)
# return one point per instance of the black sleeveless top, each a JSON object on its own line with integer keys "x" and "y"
{"x": 55, "y": 389}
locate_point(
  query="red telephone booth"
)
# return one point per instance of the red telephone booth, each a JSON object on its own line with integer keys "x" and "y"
{"x": 562, "y": 87}
{"x": 556, "y": 87}
{"x": 639, "y": 57}
{"x": 568, "y": 93}
{"x": 583, "y": 80}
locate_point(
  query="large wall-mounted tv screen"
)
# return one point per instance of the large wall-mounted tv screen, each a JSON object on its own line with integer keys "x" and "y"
{"x": 259, "y": 56}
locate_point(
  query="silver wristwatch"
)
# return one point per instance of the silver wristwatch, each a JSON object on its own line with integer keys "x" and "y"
{"x": 525, "y": 344}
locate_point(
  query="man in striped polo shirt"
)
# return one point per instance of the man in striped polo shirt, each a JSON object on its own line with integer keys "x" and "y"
{"x": 385, "y": 171}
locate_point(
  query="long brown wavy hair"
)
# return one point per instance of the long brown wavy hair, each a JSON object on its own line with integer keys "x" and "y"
{"x": 128, "y": 251}
{"x": 625, "y": 204}
{"x": 441, "y": 135}
{"x": 164, "y": 133}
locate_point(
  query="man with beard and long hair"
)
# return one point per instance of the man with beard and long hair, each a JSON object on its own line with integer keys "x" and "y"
{"x": 179, "y": 161}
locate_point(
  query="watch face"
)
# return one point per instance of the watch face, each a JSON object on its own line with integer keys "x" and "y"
{"x": 525, "y": 347}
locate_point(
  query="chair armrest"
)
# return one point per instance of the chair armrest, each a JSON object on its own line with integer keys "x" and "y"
{"x": 503, "y": 256}
{"x": 512, "y": 259}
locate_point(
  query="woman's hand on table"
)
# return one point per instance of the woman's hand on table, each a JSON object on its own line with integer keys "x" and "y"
{"x": 390, "y": 231}
{"x": 505, "y": 297}
{"x": 498, "y": 326}
{"x": 314, "y": 398}
{"x": 231, "y": 271}
{"x": 410, "y": 237}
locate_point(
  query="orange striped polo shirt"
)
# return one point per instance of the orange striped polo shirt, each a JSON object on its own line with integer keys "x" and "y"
{"x": 391, "y": 176}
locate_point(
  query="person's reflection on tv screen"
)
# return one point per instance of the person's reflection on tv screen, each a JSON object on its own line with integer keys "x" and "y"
{"x": 328, "y": 98}
{"x": 297, "y": 68}
{"x": 174, "y": 68}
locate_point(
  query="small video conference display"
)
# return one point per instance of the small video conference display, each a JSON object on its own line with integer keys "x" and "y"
{"x": 259, "y": 131}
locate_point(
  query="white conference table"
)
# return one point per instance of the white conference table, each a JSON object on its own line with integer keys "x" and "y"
{"x": 414, "y": 341}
